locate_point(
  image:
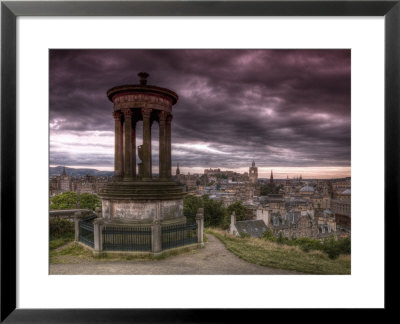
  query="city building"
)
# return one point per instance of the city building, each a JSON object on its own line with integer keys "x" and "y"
{"x": 253, "y": 173}
{"x": 86, "y": 184}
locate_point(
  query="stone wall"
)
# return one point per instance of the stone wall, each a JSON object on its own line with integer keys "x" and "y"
{"x": 142, "y": 210}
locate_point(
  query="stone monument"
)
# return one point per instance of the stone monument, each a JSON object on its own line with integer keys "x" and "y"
{"x": 137, "y": 197}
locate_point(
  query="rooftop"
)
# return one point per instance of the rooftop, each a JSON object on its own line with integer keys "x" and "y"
{"x": 254, "y": 228}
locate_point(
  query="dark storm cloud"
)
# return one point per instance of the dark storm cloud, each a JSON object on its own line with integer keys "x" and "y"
{"x": 80, "y": 159}
{"x": 279, "y": 107}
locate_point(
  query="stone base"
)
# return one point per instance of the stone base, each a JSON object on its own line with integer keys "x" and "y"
{"x": 142, "y": 202}
{"x": 144, "y": 222}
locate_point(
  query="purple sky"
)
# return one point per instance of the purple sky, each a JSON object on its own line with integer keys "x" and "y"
{"x": 289, "y": 110}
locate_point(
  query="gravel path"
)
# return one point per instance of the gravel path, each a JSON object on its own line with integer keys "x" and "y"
{"x": 214, "y": 259}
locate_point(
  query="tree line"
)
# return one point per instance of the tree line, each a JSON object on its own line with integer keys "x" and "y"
{"x": 215, "y": 214}
{"x": 72, "y": 200}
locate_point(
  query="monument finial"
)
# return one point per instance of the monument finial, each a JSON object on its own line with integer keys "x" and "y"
{"x": 143, "y": 77}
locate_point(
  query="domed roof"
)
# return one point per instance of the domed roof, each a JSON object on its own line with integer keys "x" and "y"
{"x": 307, "y": 188}
{"x": 347, "y": 192}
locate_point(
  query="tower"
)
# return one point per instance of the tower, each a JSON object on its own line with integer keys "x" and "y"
{"x": 65, "y": 182}
{"x": 177, "y": 169}
{"x": 253, "y": 172}
{"x": 271, "y": 178}
{"x": 287, "y": 185}
{"x": 137, "y": 197}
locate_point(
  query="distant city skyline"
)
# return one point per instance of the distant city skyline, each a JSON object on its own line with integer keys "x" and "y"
{"x": 305, "y": 173}
{"x": 289, "y": 110}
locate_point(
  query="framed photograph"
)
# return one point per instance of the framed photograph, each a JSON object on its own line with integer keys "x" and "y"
{"x": 331, "y": 70}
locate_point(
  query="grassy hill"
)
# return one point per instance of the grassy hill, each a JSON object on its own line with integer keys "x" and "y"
{"x": 280, "y": 256}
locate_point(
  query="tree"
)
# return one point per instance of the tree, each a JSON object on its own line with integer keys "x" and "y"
{"x": 71, "y": 200}
{"x": 269, "y": 235}
{"x": 270, "y": 188}
{"x": 239, "y": 209}
{"x": 66, "y": 200}
{"x": 191, "y": 204}
{"x": 89, "y": 201}
{"x": 265, "y": 190}
{"x": 203, "y": 179}
{"x": 214, "y": 212}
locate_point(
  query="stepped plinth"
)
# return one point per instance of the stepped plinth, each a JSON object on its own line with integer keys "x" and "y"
{"x": 143, "y": 202}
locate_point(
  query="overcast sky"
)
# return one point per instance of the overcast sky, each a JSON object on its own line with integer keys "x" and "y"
{"x": 289, "y": 110}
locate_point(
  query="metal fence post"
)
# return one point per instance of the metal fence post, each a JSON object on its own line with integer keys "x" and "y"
{"x": 77, "y": 217}
{"x": 97, "y": 234}
{"x": 200, "y": 226}
{"x": 156, "y": 243}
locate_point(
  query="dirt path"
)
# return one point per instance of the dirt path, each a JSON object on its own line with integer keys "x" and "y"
{"x": 214, "y": 259}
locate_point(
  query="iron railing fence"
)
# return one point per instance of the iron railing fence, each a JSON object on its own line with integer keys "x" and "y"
{"x": 116, "y": 238}
{"x": 86, "y": 229}
{"x": 173, "y": 236}
{"x": 138, "y": 238}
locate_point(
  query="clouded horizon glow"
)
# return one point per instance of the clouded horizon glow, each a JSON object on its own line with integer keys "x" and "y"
{"x": 289, "y": 110}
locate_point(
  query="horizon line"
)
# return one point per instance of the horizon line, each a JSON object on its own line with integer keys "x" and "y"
{"x": 311, "y": 173}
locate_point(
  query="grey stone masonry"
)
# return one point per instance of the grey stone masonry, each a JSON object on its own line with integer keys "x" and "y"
{"x": 233, "y": 223}
{"x": 98, "y": 212}
{"x": 128, "y": 143}
{"x": 156, "y": 238}
{"x": 200, "y": 226}
{"x": 77, "y": 217}
{"x": 118, "y": 157}
{"x": 98, "y": 224}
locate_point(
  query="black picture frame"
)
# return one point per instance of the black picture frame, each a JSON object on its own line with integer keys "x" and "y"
{"x": 10, "y": 10}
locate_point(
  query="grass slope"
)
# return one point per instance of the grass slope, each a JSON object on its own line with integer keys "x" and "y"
{"x": 64, "y": 250}
{"x": 281, "y": 256}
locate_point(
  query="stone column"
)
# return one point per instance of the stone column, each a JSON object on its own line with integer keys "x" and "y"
{"x": 150, "y": 150}
{"x": 146, "y": 144}
{"x": 233, "y": 218}
{"x": 128, "y": 144}
{"x": 200, "y": 226}
{"x": 156, "y": 237}
{"x": 77, "y": 218}
{"x": 232, "y": 227}
{"x": 98, "y": 213}
{"x": 162, "y": 116}
{"x": 98, "y": 224}
{"x": 168, "y": 145}
{"x": 118, "y": 154}
{"x": 133, "y": 149}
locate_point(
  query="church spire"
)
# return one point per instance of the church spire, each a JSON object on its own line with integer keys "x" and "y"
{"x": 271, "y": 179}
{"x": 177, "y": 169}
{"x": 253, "y": 164}
{"x": 64, "y": 173}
